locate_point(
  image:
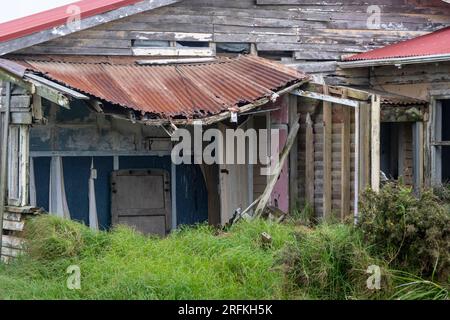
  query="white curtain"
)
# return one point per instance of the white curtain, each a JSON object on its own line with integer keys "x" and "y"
{"x": 57, "y": 198}
{"x": 93, "y": 219}
{"x": 33, "y": 201}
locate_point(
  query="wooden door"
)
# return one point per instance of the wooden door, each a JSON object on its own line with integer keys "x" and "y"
{"x": 141, "y": 199}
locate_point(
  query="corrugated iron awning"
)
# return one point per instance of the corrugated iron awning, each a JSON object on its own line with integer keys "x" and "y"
{"x": 189, "y": 91}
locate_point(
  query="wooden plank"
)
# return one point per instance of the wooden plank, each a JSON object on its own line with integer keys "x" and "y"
{"x": 13, "y": 242}
{"x": 309, "y": 161}
{"x": 293, "y": 157}
{"x": 279, "y": 166}
{"x": 326, "y": 97}
{"x": 12, "y": 217}
{"x": 375, "y": 142}
{"x": 10, "y": 252}
{"x": 346, "y": 163}
{"x": 24, "y": 164}
{"x": 364, "y": 141}
{"x": 13, "y": 225}
{"x": 327, "y": 155}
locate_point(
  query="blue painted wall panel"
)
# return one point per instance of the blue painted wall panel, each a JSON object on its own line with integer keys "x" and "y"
{"x": 76, "y": 182}
{"x": 104, "y": 166}
{"x": 42, "y": 181}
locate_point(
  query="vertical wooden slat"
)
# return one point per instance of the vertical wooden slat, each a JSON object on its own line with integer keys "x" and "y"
{"x": 5, "y": 110}
{"x": 309, "y": 162}
{"x": 293, "y": 157}
{"x": 24, "y": 164}
{"x": 364, "y": 156}
{"x": 327, "y": 156}
{"x": 345, "y": 163}
{"x": 375, "y": 142}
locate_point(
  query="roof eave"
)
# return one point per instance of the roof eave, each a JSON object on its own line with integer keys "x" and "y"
{"x": 87, "y": 23}
{"x": 394, "y": 61}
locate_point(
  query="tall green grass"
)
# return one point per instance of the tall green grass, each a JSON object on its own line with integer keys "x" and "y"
{"x": 325, "y": 262}
{"x": 195, "y": 263}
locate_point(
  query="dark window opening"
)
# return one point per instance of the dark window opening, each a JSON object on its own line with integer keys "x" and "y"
{"x": 192, "y": 44}
{"x": 151, "y": 43}
{"x": 233, "y": 48}
{"x": 275, "y": 55}
{"x": 397, "y": 152}
{"x": 445, "y": 136}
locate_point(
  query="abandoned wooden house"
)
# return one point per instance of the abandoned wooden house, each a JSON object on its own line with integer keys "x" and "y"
{"x": 92, "y": 92}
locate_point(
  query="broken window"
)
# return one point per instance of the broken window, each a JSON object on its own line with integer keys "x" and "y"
{"x": 397, "y": 151}
{"x": 231, "y": 49}
{"x": 441, "y": 142}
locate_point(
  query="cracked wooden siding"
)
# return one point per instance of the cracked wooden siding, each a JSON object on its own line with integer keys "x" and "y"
{"x": 311, "y": 31}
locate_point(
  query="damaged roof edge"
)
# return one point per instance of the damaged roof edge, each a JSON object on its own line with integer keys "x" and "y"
{"x": 244, "y": 82}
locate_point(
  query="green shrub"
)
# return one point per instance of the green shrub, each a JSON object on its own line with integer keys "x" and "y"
{"x": 412, "y": 233}
{"x": 330, "y": 262}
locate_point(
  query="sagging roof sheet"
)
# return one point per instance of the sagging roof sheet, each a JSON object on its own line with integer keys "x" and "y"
{"x": 168, "y": 91}
{"x": 435, "y": 43}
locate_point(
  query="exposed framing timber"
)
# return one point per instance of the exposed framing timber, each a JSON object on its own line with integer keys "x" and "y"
{"x": 326, "y": 98}
{"x": 279, "y": 166}
{"x": 35, "y": 87}
{"x": 4, "y": 157}
{"x": 327, "y": 156}
{"x": 375, "y": 142}
{"x": 345, "y": 163}
{"x": 309, "y": 162}
{"x": 293, "y": 157}
{"x": 56, "y": 86}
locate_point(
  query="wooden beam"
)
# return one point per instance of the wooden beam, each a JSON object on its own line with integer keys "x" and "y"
{"x": 345, "y": 163}
{"x": 375, "y": 142}
{"x": 57, "y": 87}
{"x": 326, "y": 97}
{"x": 293, "y": 157}
{"x": 309, "y": 162}
{"x": 364, "y": 146}
{"x": 4, "y": 117}
{"x": 327, "y": 155}
{"x": 35, "y": 87}
{"x": 279, "y": 166}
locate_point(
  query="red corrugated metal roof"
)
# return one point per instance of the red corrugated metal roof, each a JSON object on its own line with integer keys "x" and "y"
{"x": 188, "y": 91}
{"x": 436, "y": 43}
{"x": 55, "y": 17}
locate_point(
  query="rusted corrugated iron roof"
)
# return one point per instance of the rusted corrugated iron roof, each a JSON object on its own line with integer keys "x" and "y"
{"x": 170, "y": 91}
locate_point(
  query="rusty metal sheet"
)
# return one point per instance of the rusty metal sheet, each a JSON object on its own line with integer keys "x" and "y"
{"x": 169, "y": 91}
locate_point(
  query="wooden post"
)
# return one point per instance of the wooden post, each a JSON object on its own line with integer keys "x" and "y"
{"x": 327, "y": 155}
{"x": 375, "y": 139}
{"x": 293, "y": 157}
{"x": 309, "y": 162}
{"x": 279, "y": 166}
{"x": 24, "y": 164}
{"x": 364, "y": 142}
{"x": 345, "y": 162}
{"x": 5, "y": 110}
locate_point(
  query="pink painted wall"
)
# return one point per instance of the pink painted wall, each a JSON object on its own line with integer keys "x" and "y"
{"x": 280, "y": 120}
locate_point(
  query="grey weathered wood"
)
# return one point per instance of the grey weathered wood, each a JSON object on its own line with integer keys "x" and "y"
{"x": 53, "y": 33}
{"x": 142, "y": 199}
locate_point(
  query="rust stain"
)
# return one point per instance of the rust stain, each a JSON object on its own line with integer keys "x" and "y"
{"x": 169, "y": 91}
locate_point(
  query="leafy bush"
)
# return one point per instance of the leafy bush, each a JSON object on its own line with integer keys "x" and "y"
{"x": 330, "y": 262}
{"x": 408, "y": 231}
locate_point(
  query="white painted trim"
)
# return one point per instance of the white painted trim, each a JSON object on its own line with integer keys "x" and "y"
{"x": 394, "y": 61}
{"x": 40, "y": 154}
{"x": 173, "y": 182}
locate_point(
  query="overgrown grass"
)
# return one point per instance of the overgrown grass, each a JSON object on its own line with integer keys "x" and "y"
{"x": 326, "y": 262}
{"x": 195, "y": 263}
